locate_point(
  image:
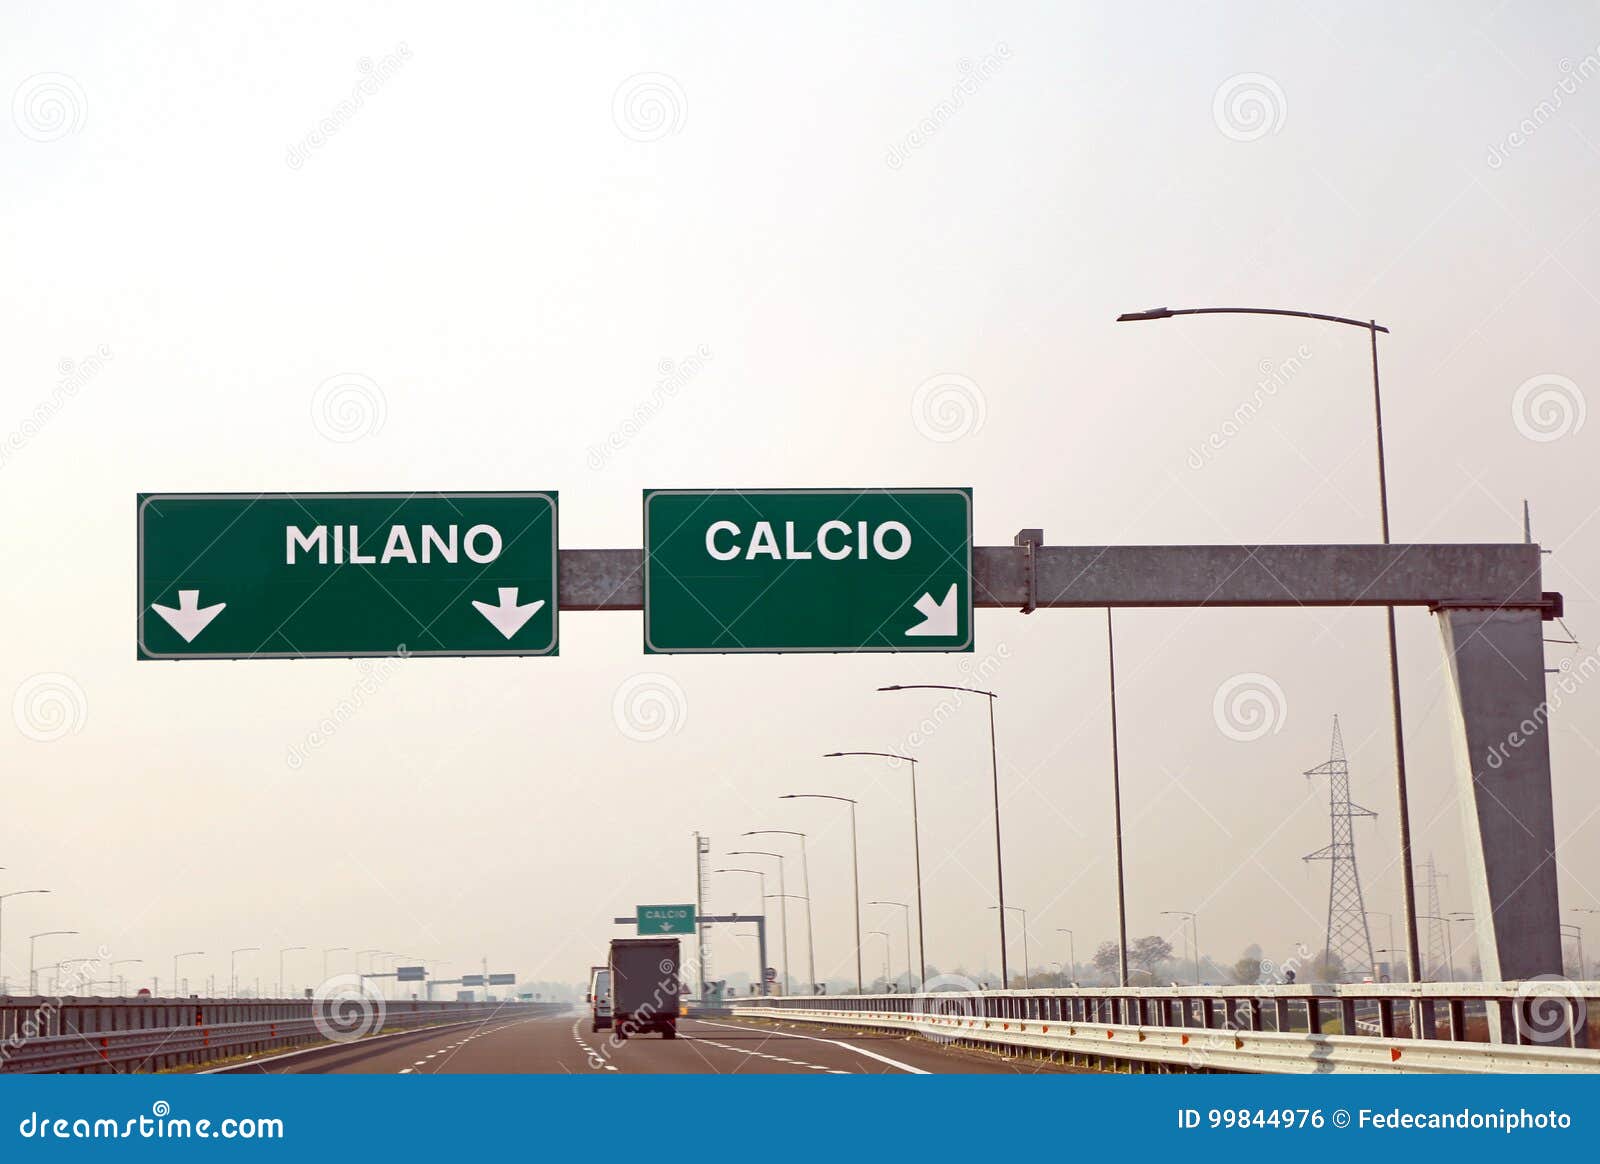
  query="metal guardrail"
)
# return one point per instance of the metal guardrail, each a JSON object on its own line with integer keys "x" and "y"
{"x": 1542, "y": 1025}
{"x": 42, "y": 1034}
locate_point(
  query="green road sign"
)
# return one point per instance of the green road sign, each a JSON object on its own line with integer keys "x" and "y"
{"x": 739, "y": 571}
{"x": 309, "y": 575}
{"x": 666, "y": 919}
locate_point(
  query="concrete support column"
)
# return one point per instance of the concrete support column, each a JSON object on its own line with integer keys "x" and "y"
{"x": 1496, "y": 660}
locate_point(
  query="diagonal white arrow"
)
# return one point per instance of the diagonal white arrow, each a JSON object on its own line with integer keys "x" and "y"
{"x": 938, "y": 618}
{"x": 190, "y": 618}
{"x": 508, "y": 618}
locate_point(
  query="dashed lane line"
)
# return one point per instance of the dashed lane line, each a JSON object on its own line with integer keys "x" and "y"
{"x": 895, "y": 1063}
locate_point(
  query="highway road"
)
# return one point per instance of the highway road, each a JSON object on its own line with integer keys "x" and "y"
{"x": 564, "y": 1045}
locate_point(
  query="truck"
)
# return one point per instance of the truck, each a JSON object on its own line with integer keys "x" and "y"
{"x": 644, "y": 986}
{"x": 599, "y": 998}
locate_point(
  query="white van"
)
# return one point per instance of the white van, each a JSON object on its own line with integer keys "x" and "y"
{"x": 599, "y": 998}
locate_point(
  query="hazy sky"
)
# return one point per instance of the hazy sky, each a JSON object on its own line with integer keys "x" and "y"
{"x": 599, "y": 248}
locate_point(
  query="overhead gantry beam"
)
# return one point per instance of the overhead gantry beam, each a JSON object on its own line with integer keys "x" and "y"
{"x": 1432, "y": 575}
{"x": 1490, "y": 609}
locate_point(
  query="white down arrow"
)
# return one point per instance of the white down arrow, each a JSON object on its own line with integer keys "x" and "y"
{"x": 508, "y": 618}
{"x": 190, "y": 618}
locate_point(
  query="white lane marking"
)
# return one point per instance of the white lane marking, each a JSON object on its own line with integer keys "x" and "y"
{"x": 405, "y": 1071}
{"x": 763, "y": 1055}
{"x": 895, "y": 1063}
{"x": 593, "y": 1057}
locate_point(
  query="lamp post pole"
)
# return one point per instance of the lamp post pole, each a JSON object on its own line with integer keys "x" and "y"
{"x": 783, "y": 906}
{"x": 1194, "y": 924}
{"x": 994, "y": 772}
{"x": 903, "y": 906}
{"x": 122, "y": 988}
{"x": 1372, "y": 328}
{"x": 283, "y": 985}
{"x": 1072, "y": 953}
{"x": 186, "y": 954}
{"x": 887, "y": 940}
{"x": 1027, "y": 974}
{"x": 855, "y": 865}
{"x": 32, "y": 979}
{"x": 916, "y": 853}
{"x": 233, "y": 960}
{"x": 325, "y": 953}
{"x": 761, "y": 932}
{"x": 805, "y": 877}
{"x": 3, "y": 896}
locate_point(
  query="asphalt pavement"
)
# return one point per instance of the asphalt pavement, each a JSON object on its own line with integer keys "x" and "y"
{"x": 564, "y": 1044}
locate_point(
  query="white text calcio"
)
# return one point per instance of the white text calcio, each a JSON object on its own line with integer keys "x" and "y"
{"x": 834, "y": 540}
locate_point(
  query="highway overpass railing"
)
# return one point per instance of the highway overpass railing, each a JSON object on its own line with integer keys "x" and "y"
{"x": 126, "y": 1035}
{"x": 1544, "y": 1025}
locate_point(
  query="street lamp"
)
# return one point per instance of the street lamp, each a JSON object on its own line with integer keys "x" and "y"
{"x": 903, "y": 906}
{"x": 1027, "y": 977}
{"x": 884, "y": 934}
{"x": 783, "y": 906}
{"x": 1194, "y": 924}
{"x": 122, "y": 986}
{"x": 3, "y": 896}
{"x": 855, "y": 865}
{"x": 1575, "y": 931}
{"x": 1449, "y": 946}
{"x": 916, "y": 853}
{"x": 1071, "y": 953}
{"x": 1388, "y": 921}
{"x": 1583, "y": 909}
{"x": 761, "y": 975}
{"x": 1372, "y": 328}
{"x": 32, "y": 980}
{"x": 233, "y": 960}
{"x": 175, "y": 957}
{"x": 325, "y": 953}
{"x": 281, "y": 952}
{"x": 805, "y": 876}
{"x": 994, "y": 771}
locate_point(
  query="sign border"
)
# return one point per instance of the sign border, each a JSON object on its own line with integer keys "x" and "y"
{"x": 694, "y": 918}
{"x": 964, "y": 492}
{"x": 550, "y": 496}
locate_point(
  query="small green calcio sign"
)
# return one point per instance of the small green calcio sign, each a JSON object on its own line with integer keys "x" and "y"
{"x": 340, "y": 575}
{"x": 665, "y": 919}
{"x": 732, "y": 571}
